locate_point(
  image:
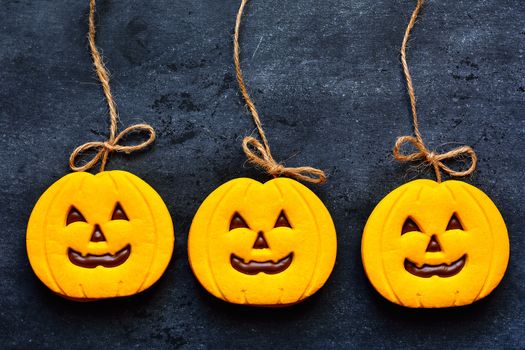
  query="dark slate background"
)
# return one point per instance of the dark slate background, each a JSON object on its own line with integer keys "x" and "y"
{"x": 327, "y": 80}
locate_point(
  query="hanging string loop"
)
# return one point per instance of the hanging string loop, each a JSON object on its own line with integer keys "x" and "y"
{"x": 104, "y": 148}
{"x": 258, "y": 152}
{"x": 422, "y": 153}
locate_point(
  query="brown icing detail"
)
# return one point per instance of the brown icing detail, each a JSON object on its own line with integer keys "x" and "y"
{"x": 441, "y": 270}
{"x": 454, "y": 223}
{"x": 119, "y": 214}
{"x": 433, "y": 245}
{"x": 282, "y": 221}
{"x": 255, "y": 267}
{"x": 97, "y": 235}
{"x": 74, "y": 215}
{"x": 260, "y": 242}
{"x": 91, "y": 261}
{"x": 409, "y": 226}
{"x": 237, "y": 222}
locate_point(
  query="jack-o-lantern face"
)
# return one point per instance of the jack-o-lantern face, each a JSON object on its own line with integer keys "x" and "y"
{"x": 99, "y": 236}
{"x": 435, "y": 245}
{"x": 262, "y": 244}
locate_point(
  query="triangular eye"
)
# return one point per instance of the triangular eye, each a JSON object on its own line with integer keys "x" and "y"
{"x": 237, "y": 222}
{"x": 282, "y": 221}
{"x": 454, "y": 223}
{"x": 409, "y": 226}
{"x": 73, "y": 216}
{"x": 119, "y": 214}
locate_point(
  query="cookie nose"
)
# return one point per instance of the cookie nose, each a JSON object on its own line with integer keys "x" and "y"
{"x": 433, "y": 245}
{"x": 260, "y": 242}
{"x": 97, "y": 235}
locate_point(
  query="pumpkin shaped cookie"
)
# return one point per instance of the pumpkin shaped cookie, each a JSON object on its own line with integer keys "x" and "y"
{"x": 99, "y": 236}
{"x": 429, "y": 244}
{"x": 270, "y": 244}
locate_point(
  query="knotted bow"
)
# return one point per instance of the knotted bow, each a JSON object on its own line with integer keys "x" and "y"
{"x": 257, "y": 154}
{"x": 435, "y": 159}
{"x": 106, "y": 147}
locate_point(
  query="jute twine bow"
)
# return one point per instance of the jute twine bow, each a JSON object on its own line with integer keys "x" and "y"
{"x": 422, "y": 152}
{"x": 111, "y": 145}
{"x": 257, "y": 152}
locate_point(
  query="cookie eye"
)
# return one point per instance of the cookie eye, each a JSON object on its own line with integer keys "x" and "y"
{"x": 454, "y": 223}
{"x": 73, "y": 216}
{"x": 119, "y": 214}
{"x": 282, "y": 221}
{"x": 237, "y": 222}
{"x": 409, "y": 226}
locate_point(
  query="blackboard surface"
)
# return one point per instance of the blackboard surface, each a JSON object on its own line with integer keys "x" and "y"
{"x": 327, "y": 80}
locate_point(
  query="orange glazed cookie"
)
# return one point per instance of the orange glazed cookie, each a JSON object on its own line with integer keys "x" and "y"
{"x": 435, "y": 245}
{"x": 99, "y": 236}
{"x": 269, "y": 244}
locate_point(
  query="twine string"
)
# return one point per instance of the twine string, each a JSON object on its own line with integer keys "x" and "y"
{"x": 257, "y": 152}
{"x": 436, "y": 160}
{"x": 103, "y": 148}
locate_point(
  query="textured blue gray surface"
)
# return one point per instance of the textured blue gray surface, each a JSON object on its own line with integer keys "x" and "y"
{"x": 327, "y": 80}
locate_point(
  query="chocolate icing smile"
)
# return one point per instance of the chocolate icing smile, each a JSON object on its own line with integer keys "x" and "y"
{"x": 91, "y": 261}
{"x": 255, "y": 267}
{"x": 441, "y": 270}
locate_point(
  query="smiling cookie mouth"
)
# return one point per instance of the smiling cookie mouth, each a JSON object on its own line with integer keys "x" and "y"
{"x": 441, "y": 270}
{"x": 254, "y": 267}
{"x": 91, "y": 261}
